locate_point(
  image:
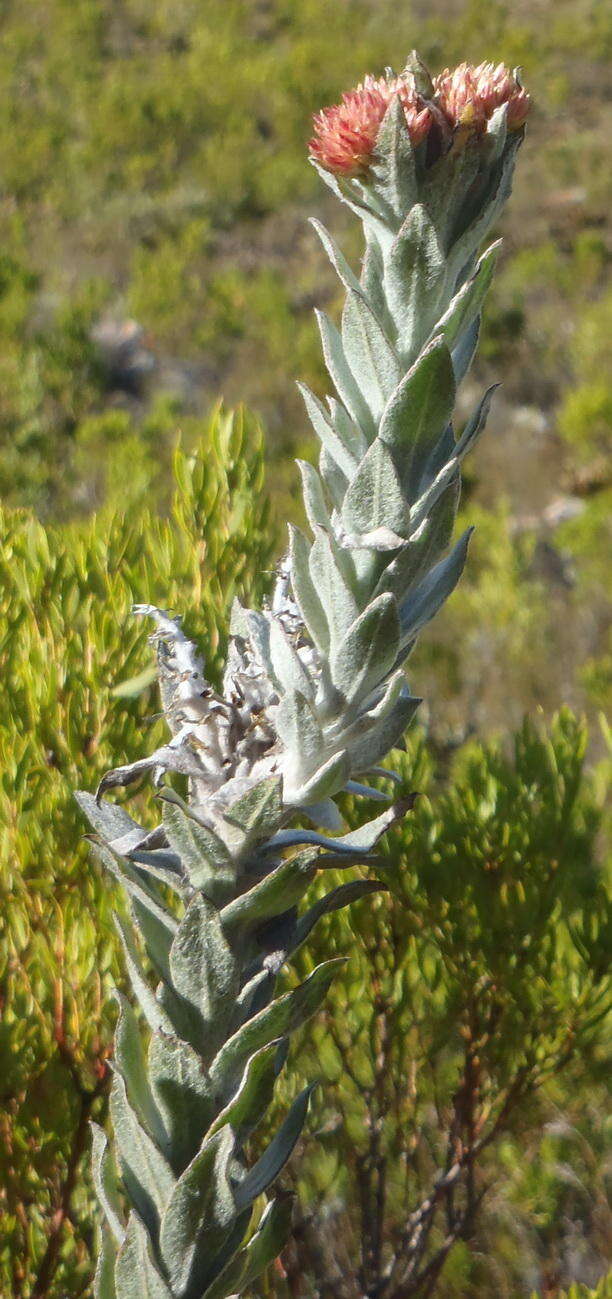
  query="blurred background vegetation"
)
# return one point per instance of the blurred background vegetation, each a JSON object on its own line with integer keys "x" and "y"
{"x": 155, "y": 255}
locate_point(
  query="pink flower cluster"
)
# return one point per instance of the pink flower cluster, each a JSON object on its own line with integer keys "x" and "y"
{"x": 345, "y": 135}
{"x": 469, "y": 95}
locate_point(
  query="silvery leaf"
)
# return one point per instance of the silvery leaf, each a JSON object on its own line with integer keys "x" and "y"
{"x": 167, "y": 758}
{"x": 375, "y": 498}
{"x": 156, "y": 923}
{"x": 305, "y": 590}
{"x": 340, "y": 449}
{"x": 479, "y": 216}
{"x": 335, "y": 480}
{"x": 332, "y": 578}
{"x": 148, "y": 1178}
{"x": 366, "y": 791}
{"x": 154, "y": 1013}
{"x": 420, "y": 408}
{"x": 199, "y": 1214}
{"x": 256, "y": 813}
{"x": 371, "y": 281}
{"x": 470, "y": 435}
{"x": 263, "y": 1247}
{"x": 204, "y": 970}
{"x": 136, "y": 1276}
{"x": 315, "y": 504}
{"x": 204, "y": 855}
{"x": 104, "y": 1279}
{"x": 357, "y": 841}
{"x": 110, "y": 820}
{"x": 418, "y": 555}
{"x": 337, "y": 258}
{"x": 415, "y": 275}
{"x": 299, "y": 729}
{"x": 393, "y": 171}
{"x": 131, "y": 1064}
{"x": 343, "y": 378}
{"x": 279, "y": 891}
{"x": 384, "y": 735}
{"x": 273, "y": 1160}
{"x": 368, "y": 650}
{"x": 467, "y": 303}
{"x": 335, "y": 900}
{"x": 254, "y": 1094}
{"x": 182, "y": 1094}
{"x": 369, "y": 354}
{"x": 327, "y": 780}
{"x": 104, "y": 1175}
{"x": 280, "y": 1017}
{"x": 427, "y": 598}
{"x": 464, "y": 350}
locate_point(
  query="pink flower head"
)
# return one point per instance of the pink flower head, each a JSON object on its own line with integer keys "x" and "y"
{"x": 345, "y": 135}
{"x": 469, "y": 95}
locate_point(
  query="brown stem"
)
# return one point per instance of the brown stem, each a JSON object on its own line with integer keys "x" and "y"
{"x": 416, "y": 1231}
{"x": 49, "y": 1261}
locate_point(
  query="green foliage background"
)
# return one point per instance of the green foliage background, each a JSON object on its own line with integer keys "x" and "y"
{"x": 152, "y": 167}
{"x": 75, "y": 697}
{"x": 476, "y": 989}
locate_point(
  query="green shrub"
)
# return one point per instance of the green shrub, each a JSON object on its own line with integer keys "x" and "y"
{"x": 69, "y": 648}
{"x": 463, "y": 996}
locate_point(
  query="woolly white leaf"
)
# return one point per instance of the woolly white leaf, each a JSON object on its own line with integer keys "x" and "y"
{"x": 131, "y": 1064}
{"x": 263, "y": 1247}
{"x": 416, "y": 557}
{"x": 182, "y": 1094}
{"x": 393, "y": 171}
{"x": 465, "y": 350}
{"x": 104, "y": 1176}
{"x": 199, "y": 1214}
{"x": 369, "y": 354}
{"x": 305, "y": 590}
{"x": 147, "y": 1175}
{"x": 415, "y": 274}
{"x": 154, "y": 1014}
{"x": 136, "y": 1276}
{"x": 470, "y": 435}
{"x": 368, "y": 650}
{"x": 327, "y": 780}
{"x": 330, "y": 572}
{"x": 274, "y": 1021}
{"x": 427, "y": 598}
{"x": 375, "y": 498}
{"x": 254, "y": 1093}
{"x": 104, "y": 1279}
{"x": 337, "y": 258}
{"x": 333, "y": 437}
{"x": 418, "y": 411}
{"x": 315, "y": 505}
{"x": 467, "y": 304}
{"x": 342, "y": 376}
{"x": 204, "y": 970}
{"x": 383, "y": 735}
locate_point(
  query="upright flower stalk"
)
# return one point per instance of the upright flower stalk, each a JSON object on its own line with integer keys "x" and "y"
{"x": 314, "y": 697}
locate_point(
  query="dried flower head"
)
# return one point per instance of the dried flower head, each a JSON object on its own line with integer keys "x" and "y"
{"x": 345, "y": 135}
{"x": 469, "y": 95}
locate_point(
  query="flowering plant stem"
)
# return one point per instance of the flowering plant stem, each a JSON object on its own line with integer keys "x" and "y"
{"x": 314, "y": 697}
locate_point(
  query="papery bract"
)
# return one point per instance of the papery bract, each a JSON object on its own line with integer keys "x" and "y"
{"x": 468, "y": 96}
{"x": 345, "y": 134}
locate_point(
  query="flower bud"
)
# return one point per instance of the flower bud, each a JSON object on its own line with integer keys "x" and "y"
{"x": 469, "y": 95}
{"x": 345, "y": 134}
